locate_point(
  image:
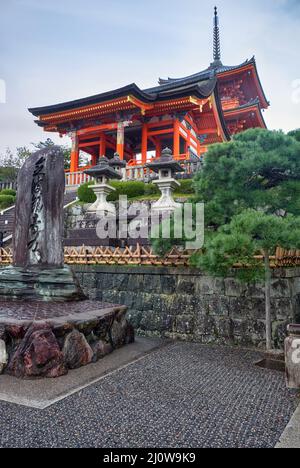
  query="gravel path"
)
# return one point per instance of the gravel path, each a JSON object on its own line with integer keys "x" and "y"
{"x": 184, "y": 395}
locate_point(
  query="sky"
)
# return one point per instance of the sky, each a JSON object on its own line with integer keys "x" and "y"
{"x": 53, "y": 51}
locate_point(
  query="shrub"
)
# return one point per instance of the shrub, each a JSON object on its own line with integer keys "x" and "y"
{"x": 86, "y": 194}
{"x": 6, "y": 201}
{"x": 11, "y": 192}
{"x": 186, "y": 186}
{"x": 132, "y": 189}
{"x": 151, "y": 189}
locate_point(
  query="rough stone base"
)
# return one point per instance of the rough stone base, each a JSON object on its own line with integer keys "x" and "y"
{"x": 35, "y": 284}
{"x": 50, "y": 347}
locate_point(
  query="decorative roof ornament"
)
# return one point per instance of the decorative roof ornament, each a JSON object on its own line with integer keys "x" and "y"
{"x": 217, "y": 42}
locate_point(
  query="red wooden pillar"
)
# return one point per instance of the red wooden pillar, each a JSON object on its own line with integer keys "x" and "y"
{"x": 102, "y": 147}
{"x": 189, "y": 138}
{"x": 144, "y": 143}
{"x": 198, "y": 148}
{"x": 158, "y": 148}
{"x": 74, "y": 153}
{"x": 120, "y": 140}
{"x": 176, "y": 144}
{"x": 94, "y": 159}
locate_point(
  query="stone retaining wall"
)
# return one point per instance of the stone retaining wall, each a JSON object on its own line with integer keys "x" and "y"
{"x": 184, "y": 304}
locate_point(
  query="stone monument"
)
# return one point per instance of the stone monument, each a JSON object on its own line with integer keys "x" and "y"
{"x": 166, "y": 167}
{"x": 46, "y": 324}
{"x": 38, "y": 271}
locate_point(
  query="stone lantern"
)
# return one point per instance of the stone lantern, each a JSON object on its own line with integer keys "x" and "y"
{"x": 102, "y": 174}
{"x": 292, "y": 357}
{"x": 117, "y": 164}
{"x": 166, "y": 167}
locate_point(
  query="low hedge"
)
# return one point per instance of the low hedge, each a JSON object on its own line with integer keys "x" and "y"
{"x": 133, "y": 189}
{"x": 86, "y": 194}
{"x": 10, "y": 192}
{"x": 6, "y": 201}
{"x": 186, "y": 186}
{"x": 151, "y": 189}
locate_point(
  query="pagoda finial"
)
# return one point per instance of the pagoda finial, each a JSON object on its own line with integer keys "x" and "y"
{"x": 217, "y": 44}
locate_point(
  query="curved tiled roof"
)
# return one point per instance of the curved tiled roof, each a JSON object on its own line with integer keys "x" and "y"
{"x": 252, "y": 103}
{"x": 132, "y": 89}
{"x": 213, "y": 69}
{"x": 201, "y": 90}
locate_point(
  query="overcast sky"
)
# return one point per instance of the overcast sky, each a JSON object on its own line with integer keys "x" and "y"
{"x": 57, "y": 50}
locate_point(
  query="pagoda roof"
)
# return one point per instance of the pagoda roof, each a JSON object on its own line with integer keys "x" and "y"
{"x": 251, "y": 105}
{"x": 214, "y": 69}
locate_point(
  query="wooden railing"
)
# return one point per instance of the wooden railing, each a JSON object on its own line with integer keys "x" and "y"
{"x": 8, "y": 185}
{"x": 75, "y": 179}
{"x": 138, "y": 172}
{"x": 113, "y": 256}
{"x": 144, "y": 256}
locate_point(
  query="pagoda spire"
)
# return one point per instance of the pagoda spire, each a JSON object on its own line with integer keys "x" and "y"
{"x": 217, "y": 43}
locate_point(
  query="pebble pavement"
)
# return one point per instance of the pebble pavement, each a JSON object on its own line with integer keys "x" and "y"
{"x": 181, "y": 396}
{"x": 46, "y": 310}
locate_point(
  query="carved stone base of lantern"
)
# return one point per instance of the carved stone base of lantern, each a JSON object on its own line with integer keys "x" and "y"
{"x": 166, "y": 202}
{"x": 101, "y": 205}
{"x": 292, "y": 357}
{"x": 38, "y": 284}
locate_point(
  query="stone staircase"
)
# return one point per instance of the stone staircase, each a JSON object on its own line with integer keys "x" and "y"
{"x": 84, "y": 233}
{"x": 7, "y": 218}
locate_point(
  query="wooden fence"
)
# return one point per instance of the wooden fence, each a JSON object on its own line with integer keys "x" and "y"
{"x": 144, "y": 256}
{"x": 113, "y": 256}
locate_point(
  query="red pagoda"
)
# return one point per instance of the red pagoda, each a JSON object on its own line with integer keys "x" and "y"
{"x": 186, "y": 114}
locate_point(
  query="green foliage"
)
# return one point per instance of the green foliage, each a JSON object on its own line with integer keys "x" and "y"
{"x": 295, "y": 134}
{"x": 259, "y": 169}
{"x": 11, "y": 192}
{"x": 151, "y": 189}
{"x": 6, "y": 201}
{"x": 186, "y": 186}
{"x": 248, "y": 234}
{"x": 8, "y": 174}
{"x": 163, "y": 244}
{"x": 86, "y": 194}
{"x": 48, "y": 143}
{"x": 10, "y": 163}
{"x": 132, "y": 189}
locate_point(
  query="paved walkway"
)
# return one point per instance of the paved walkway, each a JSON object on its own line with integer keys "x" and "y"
{"x": 184, "y": 395}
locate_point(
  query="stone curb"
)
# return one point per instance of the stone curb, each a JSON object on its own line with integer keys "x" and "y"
{"x": 290, "y": 438}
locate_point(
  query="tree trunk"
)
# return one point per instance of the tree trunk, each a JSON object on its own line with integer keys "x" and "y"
{"x": 268, "y": 277}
